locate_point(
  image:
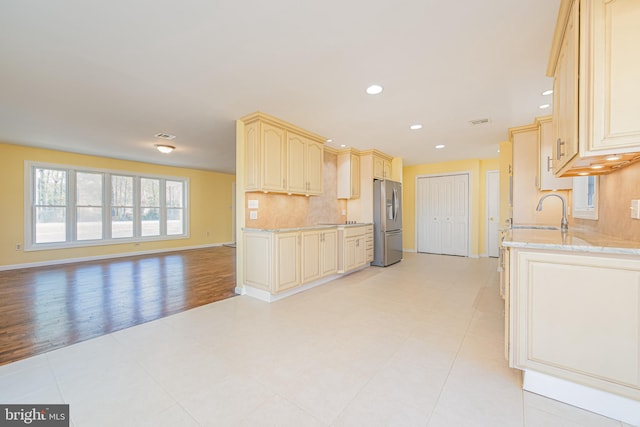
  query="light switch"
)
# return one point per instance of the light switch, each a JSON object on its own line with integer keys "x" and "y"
{"x": 635, "y": 209}
{"x": 253, "y": 214}
{"x": 252, "y": 204}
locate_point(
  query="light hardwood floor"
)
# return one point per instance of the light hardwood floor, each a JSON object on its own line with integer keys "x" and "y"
{"x": 45, "y": 308}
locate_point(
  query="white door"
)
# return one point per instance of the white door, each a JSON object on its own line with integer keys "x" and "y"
{"x": 443, "y": 214}
{"x": 493, "y": 212}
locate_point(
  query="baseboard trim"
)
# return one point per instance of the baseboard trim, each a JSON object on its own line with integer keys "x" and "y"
{"x": 103, "y": 257}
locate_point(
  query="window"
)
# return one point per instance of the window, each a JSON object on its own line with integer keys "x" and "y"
{"x": 585, "y": 197}
{"x": 69, "y": 206}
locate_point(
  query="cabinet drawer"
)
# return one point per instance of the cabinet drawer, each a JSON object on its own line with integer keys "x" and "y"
{"x": 354, "y": 231}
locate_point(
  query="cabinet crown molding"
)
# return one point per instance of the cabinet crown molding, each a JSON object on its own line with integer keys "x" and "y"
{"x": 558, "y": 35}
{"x": 266, "y": 118}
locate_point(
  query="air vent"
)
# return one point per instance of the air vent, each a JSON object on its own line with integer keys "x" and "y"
{"x": 479, "y": 122}
{"x": 165, "y": 136}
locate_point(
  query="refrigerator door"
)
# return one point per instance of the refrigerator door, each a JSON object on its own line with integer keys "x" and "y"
{"x": 393, "y": 247}
{"x": 392, "y": 194}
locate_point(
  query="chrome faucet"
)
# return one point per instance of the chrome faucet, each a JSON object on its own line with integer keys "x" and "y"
{"x": 564, "y": 225}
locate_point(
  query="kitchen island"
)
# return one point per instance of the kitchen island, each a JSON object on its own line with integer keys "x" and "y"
{"x": 572, "y": 302}
{"x": 281, "y": 262}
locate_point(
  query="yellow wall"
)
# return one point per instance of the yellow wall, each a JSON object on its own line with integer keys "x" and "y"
{"x": 210, "y": 210}
{"x": 477, "y": 189}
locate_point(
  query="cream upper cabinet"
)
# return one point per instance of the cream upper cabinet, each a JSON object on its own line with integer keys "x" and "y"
{"x": 282, "y": 158}
{"x": 348, "y": 174}
{"x": 274, "y": 156}
{"x": 546, "y": 180}
{"x": 595, "y": 66}
{"x": 381, "y": 166}
{"x": 576, "y": 316}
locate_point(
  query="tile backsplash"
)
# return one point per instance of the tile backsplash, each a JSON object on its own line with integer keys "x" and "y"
{"x": 284, "y": 211}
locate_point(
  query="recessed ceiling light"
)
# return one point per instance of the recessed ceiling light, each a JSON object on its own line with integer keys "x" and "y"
{"x": 329, "y": 140}
{"x": 162, "y": 135}
{"x": 374, "y": 89}
{"x": 165, "y": 149}
{"x": 343, "y": 145}
{"x": 613, "y": 158}
{"x": 547, "y": 92}
{"x": 439, "y": 146}
{"x": 415, "y": 127}
{"x": 597, "y": 166}
{"x": 543, "y": 106}
{"x": 498, "y": 150}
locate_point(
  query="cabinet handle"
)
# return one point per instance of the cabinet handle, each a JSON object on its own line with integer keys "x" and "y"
{"x": 548, "y": 163}
{"x": 559, "y": 152}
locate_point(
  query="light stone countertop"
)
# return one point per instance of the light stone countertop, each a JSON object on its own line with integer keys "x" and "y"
{"x": 576, "y": 240}
{"x": 309, "y": 227}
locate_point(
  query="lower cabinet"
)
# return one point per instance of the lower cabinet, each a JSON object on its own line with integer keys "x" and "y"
{"x": 319, "y": 254}
{"x": 352, "y": 254}
{"x": 287, "y": 261}
{"x": 576, "y": 316}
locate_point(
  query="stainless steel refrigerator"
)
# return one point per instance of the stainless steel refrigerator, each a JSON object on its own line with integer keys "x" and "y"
{"x": 387, "y": 222}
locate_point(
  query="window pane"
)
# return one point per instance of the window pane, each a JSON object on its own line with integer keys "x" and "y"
{"x": 51, "y": 225}
{"x": 174, "y": 194}
{"x": 121, "y": 222}
{"x": 121, "y": 191}
{"x": 174, "y": 222}
{"x": 89, "y": 189}
{"x": 149, "y": 192}
{"x": 50, "y": 187}
{"x": 89, "y": 223}
{"x": 150, "y": 222}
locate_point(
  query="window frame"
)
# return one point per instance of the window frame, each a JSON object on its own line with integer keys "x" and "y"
{"x": 71, "y": 223}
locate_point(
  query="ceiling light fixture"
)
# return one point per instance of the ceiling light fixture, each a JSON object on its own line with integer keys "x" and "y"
{"x": 165, "y": 149}
{"x": 543, "y": 106}
{"x": 343, "y": 145}
{"x": 439, "y": 146}
{"x": 547, "y": 92}
{"x": 329, "y": 140}
{"x": 374, "y": 89}
{"x": 415, "y": 127}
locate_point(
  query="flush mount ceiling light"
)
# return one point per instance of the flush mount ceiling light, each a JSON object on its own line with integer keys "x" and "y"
{"x": 415, "y": 127}
{"x": 439, "y": 146}
{"x": 374, "y": 89}
{"x": 543, "y": 106}
{"x": 164, "y": 149}
{"x": 547, "y": 92}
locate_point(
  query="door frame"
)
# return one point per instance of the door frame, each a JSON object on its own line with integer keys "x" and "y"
{"x": 469, "y": 194}
{"x": 496, "y": 171}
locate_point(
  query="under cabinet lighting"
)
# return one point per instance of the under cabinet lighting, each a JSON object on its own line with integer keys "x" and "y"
{"x": 612, "y": 158}
{"x": 597, "y": 166}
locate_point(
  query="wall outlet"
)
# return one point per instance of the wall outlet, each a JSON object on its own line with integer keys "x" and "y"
{"x": 18, "y": 246}
{"x": 253, "y": 214}
{"x": 252, "y": 204}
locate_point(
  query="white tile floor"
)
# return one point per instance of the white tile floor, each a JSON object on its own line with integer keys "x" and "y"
{"x": 418, "y": 343}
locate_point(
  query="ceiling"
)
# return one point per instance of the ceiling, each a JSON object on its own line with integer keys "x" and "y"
{"x": 103, "y": 77}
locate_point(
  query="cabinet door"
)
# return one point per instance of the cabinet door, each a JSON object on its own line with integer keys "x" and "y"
{"x": 355, "y": 176}
{"x": 252, "y": 156}
{"x": 565, "y": 94}
{"x": 311, "y": 244}
{"x": 361, "y": 252}
{"x": 350, "y": 250}
{"x": 287, "y": 250}
{"x": 378, "y": 167}
{"x": 329, "y": 252}
{"x": 274, "y": 155}
{"x": 386, "y": 169}
{"x": 314, "y": 165}
{"x": 296, "y": 160}
{"x": 546, "y": 179}
{"x": 577, "y": 317}
{"x": 615, "y": 37}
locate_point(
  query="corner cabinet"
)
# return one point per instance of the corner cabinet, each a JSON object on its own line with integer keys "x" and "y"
{"x": 596, "y": 89}
{"x": 282, "y": 158}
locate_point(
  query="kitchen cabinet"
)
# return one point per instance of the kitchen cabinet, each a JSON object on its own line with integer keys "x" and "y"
{"x": 596, "y": 91}
{"x": 319, "y": 254}
{"x": 287, "y": 261}
{"x": 576, "y": 316}
{"x": 353, "y": 251}
{"x": 369, "y": 243}
{"x": 348, "y": 174}
{"x": 546, "y": 180}
{"x": 280, "y": 157}
{"x": 304, "y": 165}
{"x": 381, "y": 166}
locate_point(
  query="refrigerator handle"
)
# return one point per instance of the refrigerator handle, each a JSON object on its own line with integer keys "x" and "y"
{"x": 395, "y": 203}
